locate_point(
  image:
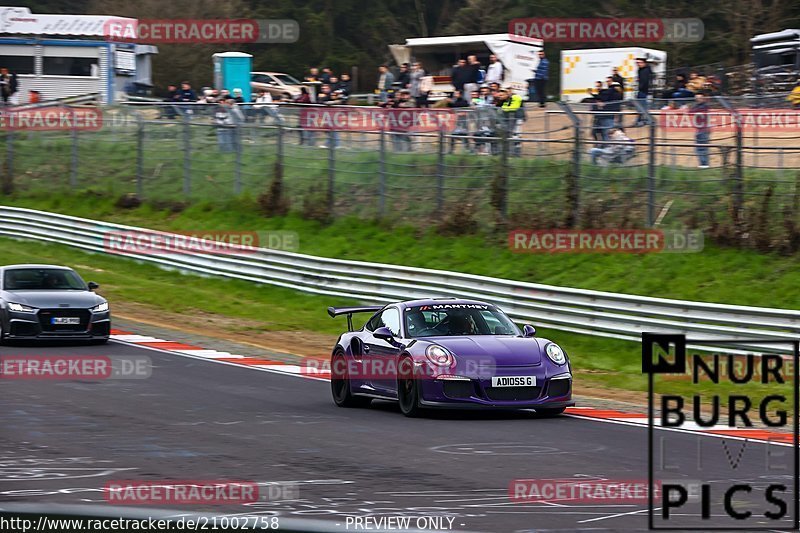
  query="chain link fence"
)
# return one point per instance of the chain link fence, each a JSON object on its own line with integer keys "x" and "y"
{"x": 485, "y": 168}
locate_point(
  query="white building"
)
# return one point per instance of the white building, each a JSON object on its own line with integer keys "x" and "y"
{"x": 68, "y": 55}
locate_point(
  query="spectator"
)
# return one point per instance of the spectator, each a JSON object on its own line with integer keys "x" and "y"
{"x": 485, "y": 98}
{"x": 540, "y": 77}
{"x": 264, "y": 106}
{"x": 619, "y": 152}
{"x": 306, "y": 136}
{"x": 170, "y": 111}
{"x": 404, "y": 77}
{"x": 237, "y": 96}
{"x": 8, "y": 86}
{"x": 696, "y": 82}
{"x": 324, "y": 95}
{"x": 644, "y": 81}
{"x": 415, "y": 82}
{"x": 402, "y": 140}
{"x": 513, "y": 115}
{"x": 385, "y": 82}
{"x": 304, "y": 97}
{"x": 678, "y": 91}
{"x": 457, "y": 99}
{"x": 228, "y": 118}
{"x": 460, "y": 75}
{"x": 345, "y": 85}
{"x": 702, "y": 137}
{"x": 593, "y": 98}
{"x": 495, "y": 71}
{"x": 617, "y": 78}
{"x": 186, "y": 94}
{"x": 286, "y": 98}
{"x": 473, "y": 75}
{"x": 312, "y": 76}
{"x": 34, "y": 97}
{"x": 325, "y": 77}
{"x": 794, "y": 96}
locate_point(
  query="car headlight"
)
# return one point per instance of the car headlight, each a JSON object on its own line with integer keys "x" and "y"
{"x": 555, "y": 353}
{"x": 439, "y": 356}
{"x": 102, "y": 308}
{"x": 21, "y": 308}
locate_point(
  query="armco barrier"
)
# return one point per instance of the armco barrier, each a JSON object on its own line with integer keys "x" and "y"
{"x": 605, "y": 314}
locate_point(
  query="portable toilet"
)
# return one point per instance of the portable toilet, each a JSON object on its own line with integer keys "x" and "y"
{"x": 232, "y": 71}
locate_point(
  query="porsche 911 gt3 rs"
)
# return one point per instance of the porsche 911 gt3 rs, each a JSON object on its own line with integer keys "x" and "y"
{"x": 447, "y": 353}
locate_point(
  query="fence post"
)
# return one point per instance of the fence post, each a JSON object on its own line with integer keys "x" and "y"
{"x": 279, "y": 150}
{"x": 381, "y": 172}
{"x": 237, "y": 169}
{"x": 73, "y": 160}
{"x": 737, "y": 187}
{"x": 440, "y": 170}
{"x": 644, "y": 112}
{"x": 139, "y": 157}
{"x": 187, "y": 156}
{"x": 331, "y": 168}
{"x": 8, "y": 171}
{"x": 501, "y": 187}
{"x": 574, "y": 176}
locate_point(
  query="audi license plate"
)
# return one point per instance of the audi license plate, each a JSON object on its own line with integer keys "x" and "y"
{"x": 514, "y": 381}
{"x": 65, "y": 320}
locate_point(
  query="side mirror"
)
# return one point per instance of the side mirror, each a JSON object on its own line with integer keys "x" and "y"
{"x": 92, "y": 285}
{"x": 383, "y": 333}
{"x": 528, "y": 331}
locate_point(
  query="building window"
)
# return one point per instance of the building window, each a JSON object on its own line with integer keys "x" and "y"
{"x": 17, "y": 64}
{"x": 69, "y": 66}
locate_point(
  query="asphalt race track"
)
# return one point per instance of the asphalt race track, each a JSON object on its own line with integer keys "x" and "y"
{"x": 196, "y": 419}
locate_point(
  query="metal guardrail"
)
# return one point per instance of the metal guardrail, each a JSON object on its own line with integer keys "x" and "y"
{"x": 604, "y": 314}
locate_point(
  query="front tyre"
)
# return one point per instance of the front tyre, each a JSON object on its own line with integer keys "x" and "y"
{"x": 340, "y": 384}
{"x": 408, "y": 389}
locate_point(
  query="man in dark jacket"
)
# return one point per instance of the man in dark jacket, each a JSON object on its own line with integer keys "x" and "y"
{"x": 404, "y": 76}
{"x": 460, "y": 75}
{"x": 8, "y": 85}
{"x": 645, "y": 80}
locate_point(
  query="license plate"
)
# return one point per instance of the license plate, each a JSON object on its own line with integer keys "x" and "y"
{"x": 65, "y": 320}
{"x": 514, "y": 381}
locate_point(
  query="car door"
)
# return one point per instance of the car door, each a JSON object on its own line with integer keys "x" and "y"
{"x": 380, "y": 356}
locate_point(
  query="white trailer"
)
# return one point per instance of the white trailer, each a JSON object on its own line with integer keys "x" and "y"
{"x": 580, "y": 69}
{"x": 438, "y": 55}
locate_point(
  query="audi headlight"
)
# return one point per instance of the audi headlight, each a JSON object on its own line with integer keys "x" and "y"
{"x": 439, "y": 356}
{"x": 21, "y": 308}
{"x": 102, "y": 308}
{"x": 555, "y": 353}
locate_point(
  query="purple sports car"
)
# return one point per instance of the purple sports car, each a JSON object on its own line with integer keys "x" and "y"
{"x": 447, "y": 353}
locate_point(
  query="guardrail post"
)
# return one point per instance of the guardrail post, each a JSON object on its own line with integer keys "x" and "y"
{"x": 73, "y": 160}
{"x": 139, "y": 157}
{"x": 381, "y": 172}
{"x": 237, "y": 168}
{"x": 440, "y": 170}
{"x": 187, "y": 156}
{"x": 331, "y": 169}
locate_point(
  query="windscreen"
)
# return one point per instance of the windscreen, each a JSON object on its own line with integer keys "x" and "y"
{"x": 457, "y": 319}
{"x": 42, "y": 279}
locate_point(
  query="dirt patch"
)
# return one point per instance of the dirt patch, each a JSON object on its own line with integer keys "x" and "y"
{"x": 248, "y": 332}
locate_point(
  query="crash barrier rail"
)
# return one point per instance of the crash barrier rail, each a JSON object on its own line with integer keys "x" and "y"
{"x": 604, "y": 314}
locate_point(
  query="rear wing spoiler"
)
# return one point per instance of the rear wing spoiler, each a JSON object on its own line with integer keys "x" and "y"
{"x": 336, "y": 311}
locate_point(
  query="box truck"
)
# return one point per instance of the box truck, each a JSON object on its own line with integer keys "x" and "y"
{"x": 580, "y": 69}
{"x": 438, "y": 56}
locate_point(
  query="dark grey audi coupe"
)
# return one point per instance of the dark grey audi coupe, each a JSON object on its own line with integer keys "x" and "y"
{"x": 48, "y": 302}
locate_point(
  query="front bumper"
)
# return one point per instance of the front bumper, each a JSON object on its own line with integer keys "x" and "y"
{"x": 39, "y": 325}
{"x": 550, "y": 392}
